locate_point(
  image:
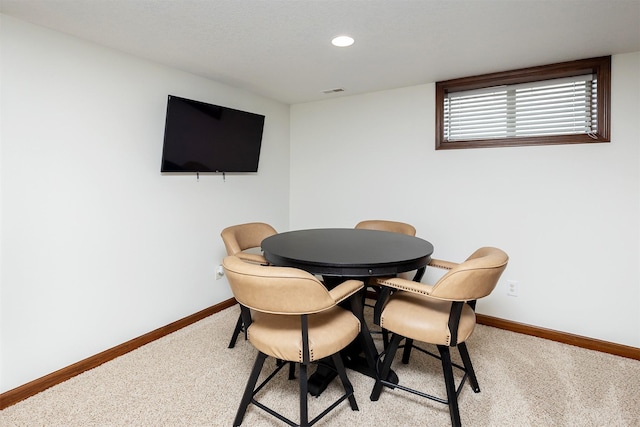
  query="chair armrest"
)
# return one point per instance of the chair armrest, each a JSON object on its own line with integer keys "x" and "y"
{"x": 345, "y": 289}
{"x": 406, "y": 285}
{"x": 445, "y": 265}
{"x": 255, "y": 258}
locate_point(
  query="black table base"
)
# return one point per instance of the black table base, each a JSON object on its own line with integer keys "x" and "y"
{"x": 325, "y": 372}
{"x": 359, "y": 356}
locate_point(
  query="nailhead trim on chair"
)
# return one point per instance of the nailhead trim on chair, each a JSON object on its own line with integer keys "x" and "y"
{"x": 435, "y": 264}
{"x": 404, "y": 288}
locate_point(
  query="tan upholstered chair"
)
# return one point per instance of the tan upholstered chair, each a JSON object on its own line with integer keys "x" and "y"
{"x": 441, "y": 314}
{"x": 243, "y": 241}
{"x": 384, "y": 225}
{"x": 295, "y": 319}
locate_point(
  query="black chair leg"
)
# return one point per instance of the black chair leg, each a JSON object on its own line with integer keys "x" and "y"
{"x": 292, "y": 370}
{"x": 248, "y": 391}
{"x": 292, "y": 367}
{"x": 385, "y": 338}
{"x": 452, "y": 396}
{"x": 408, "y": 345}
{"x": 348, "y": 387}
{"x": 386, "y": 366}
{"x": 236, "y": 331}
{"x": 466, "y": 360}
{"x": 304, "y": 413}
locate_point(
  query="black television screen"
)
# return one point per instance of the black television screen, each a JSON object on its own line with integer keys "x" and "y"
{"x": 201, "y": 137}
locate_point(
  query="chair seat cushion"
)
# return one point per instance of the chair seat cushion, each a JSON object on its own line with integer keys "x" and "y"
{"x": 280, "y": 336}
{"x": 425, "y": 319}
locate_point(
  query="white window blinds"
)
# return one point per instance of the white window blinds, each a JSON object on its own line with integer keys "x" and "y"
{"x": 549, "y": 107}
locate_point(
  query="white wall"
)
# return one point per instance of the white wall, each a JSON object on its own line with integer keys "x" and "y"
{"x": 98, "y": 247}
{"x": 567, "y": 215}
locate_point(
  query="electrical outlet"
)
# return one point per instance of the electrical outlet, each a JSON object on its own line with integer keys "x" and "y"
{"x": 219, "y": 272}
{"x": 512, "y": 288}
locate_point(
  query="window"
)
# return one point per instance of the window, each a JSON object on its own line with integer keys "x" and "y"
{"x": 566, "y": 103}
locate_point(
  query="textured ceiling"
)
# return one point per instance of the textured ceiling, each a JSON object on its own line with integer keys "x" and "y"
{"x": 281, "y": 48}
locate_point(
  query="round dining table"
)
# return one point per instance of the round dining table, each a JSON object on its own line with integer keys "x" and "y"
{"x": 339, "y": 254}
{"x": 348, "y": 252}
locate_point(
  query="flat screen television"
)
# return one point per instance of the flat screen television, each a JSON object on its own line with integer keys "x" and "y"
{"x": 201, "y": 137}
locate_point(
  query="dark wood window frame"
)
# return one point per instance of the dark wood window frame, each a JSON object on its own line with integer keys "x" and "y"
{"x": 600, "y": 67}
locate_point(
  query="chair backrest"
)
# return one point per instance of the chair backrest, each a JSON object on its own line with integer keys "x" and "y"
{"x": 238, "y": 238}
{"x": 473, "y": 279}
{"x": 384, "y": 225}
{"x": 276, "y": 290}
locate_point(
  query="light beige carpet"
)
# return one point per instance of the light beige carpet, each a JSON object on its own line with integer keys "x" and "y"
{"x": 190, "y": 378}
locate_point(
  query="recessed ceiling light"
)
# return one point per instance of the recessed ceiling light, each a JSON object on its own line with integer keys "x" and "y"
{"x": 342, "y": 41}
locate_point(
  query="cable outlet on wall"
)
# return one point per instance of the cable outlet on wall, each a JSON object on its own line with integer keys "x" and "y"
{"x": 512, "y": 288}
{"x": 219, "y": 272}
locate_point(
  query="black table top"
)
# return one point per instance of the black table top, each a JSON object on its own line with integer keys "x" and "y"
{"x": 347, "y": 252}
